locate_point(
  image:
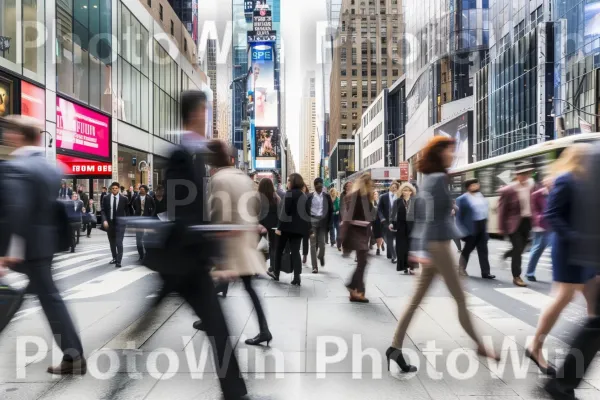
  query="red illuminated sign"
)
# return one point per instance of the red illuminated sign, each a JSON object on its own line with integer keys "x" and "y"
{"x": 81, "y": 166}
{"x": 404, "y": 171}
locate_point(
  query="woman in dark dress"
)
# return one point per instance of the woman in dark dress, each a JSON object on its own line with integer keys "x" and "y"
{"x": 306, "y": 238}
{"x": 345, "y": 190}
{"x": 377, "y": 230}
{"x": 269, "y": 203}
{"x": 568, "y": 278}
{"x": 402, "y": 221}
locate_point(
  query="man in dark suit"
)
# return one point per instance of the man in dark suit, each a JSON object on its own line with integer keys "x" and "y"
{"x": 115, "y": 206}
{"x": 102, "y": 196}
{"x": 30, "y": 231}
{"x": 321, "y": 214}
{"x": 143, "y": 206}
{"x": 586, "y": 253}
{"x": 186, "y": 190}
{"x": 75, "y": 213}
{"x": 384, "y": 209}
{"x": 65, "y": 193}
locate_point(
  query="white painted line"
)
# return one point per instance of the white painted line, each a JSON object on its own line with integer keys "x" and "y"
{"x": 108, "y": 283}
{"x": 24, "y": 313}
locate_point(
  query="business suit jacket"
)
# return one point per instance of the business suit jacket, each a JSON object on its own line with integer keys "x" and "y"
{"x": 295, "y": 215}
{"x": 327, "y": 218}
{"x": 384, "y": 208}
{"x": 32, "y": 214}
{"x": 61, "y": 193}
{"x": 149, "y": 206}
{"x": 102, "y": 196}
{"x": 539, "y": 199}
{"x": 122, "y": 209}
{"x": 404, "y": 221}
{"x": 464, "y": 215}
{"x": 75, "y": 210}
{"x": 433, "y": 218}
{"x": 509, "y": 209}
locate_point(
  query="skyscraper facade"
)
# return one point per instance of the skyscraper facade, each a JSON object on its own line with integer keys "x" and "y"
{"x": 187, "y": 11}
{"x": 309, "y": 143}
{"x": 211, "y": 55}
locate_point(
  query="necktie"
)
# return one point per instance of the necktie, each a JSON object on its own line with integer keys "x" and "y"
{"x": 143, "y": 202}
{"x": 114, "y": 210}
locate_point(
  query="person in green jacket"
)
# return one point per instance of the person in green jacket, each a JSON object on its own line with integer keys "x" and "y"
{"x": 335, "y": 229}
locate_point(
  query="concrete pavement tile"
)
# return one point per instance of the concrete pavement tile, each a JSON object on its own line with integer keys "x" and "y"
{"x": 257, "y": 360}
{"x": 489, "y": 398}
{"x": 587, "y": 394}
{"x": 186, "y": 387}
{"x": 24, "y": 391}
{"x": 595, "y": 383}
{"x": 279, "y": 289}
{"x": 113, "y": 387}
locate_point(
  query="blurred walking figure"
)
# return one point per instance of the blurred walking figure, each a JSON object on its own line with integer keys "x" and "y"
{"x": 306, "y": 237}
{"x": 89, "y": 217}
{"x": 358, "y": 215}
{"x": 334, "y": 232}
{"x": 268, "y": 217}
{"x": 30, "y": 232}
{"x": 160, "y": 201}
{"x": 321, "y": 218}
{"x": 457, "y": 241}
{"x": 75, "y": 216}
{"x": 115, "y": 207}
{"x": 514, "y": 216}
{"x": 376, "y": 227}
{"x": 568, "y": 172}
{"x": 64, "y": 192}
{"x": 584, "y": 252}
{"x": 471, "y": 219}
{"x": 431, "y": 246}
{"x": 229, "y": 205}
{"x": 292, "y": 227}
{"x": 386, "y": 204}
{"x": 402, "y": 222}
{"x": 541, "y": 235}
{"x": 143, "y": 206}
{"x": 347, "y": 188}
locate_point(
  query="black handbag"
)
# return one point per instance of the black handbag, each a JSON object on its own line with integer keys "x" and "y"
{"x": 10, "y": 302}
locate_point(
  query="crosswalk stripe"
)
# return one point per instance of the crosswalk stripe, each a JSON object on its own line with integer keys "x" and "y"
{"x": 108, "y": 283}
{"x": 87, "y": 250}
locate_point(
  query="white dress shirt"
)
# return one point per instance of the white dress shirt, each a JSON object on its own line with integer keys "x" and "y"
{"x": 113, "y": 206}
{"x": 524, "y": 193}
{"x": 142, "y": 203}
{"x": 316, "y": 207}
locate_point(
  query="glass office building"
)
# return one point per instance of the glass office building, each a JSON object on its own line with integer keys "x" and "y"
{"x": 577, "y": 48}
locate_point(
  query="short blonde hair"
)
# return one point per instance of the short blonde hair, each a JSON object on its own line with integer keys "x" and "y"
{"x": 409, "y": 186}
{"x": 571, "y": 160}
{"x": 333, "y": 193}
{"x": 364, "y": 186}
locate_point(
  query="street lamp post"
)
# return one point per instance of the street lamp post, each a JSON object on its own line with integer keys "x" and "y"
{"x": 241, "y": 83}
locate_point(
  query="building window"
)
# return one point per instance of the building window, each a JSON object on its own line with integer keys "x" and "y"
{"x": 172, "y": 28}
{"x": 184, "y": 44}
{"x": 150, "y": 3}
{"x": 160, "y": 11}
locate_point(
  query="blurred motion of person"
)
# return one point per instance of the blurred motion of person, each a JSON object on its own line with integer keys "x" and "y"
{"x": 115, "y": 207}
{"x": 64, "y": 192}
{"x": 186, "y": 182}
{"x": 376, "y": 228}
{"x": 514, "y": 216}
{"x": 402, "y": 221}
{"x": 321, "y": 218}
{"x": 292, "y": 227}
{"x": 306, "y": 238}
{"x": 269, "y": 211}
{"x": 457, "y": 241}
{"x": 358, "y": 215}
{"x": 431, "y": 246}
{"x": 30, "y": 232}
{"x": 83, "y": 196}
{"x": 143, "y": 206}
{"x": 75, "y": 213}
{"x": 471, "y": 219}
{"x": 230, "y": 204}
{"x": 160, "y": 201}
{"x": 334, "y": 232}
{"x": 541, "y": 234}
{"x": 584, "y": 230}
{"x": 102, "y": 195}
{"x": 386, "y": 204}
{"x": 89, "y": 217}
{"x": 568, "y": 172}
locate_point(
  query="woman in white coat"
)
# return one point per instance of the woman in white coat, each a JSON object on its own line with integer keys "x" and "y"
{"x": 233, "y": 200}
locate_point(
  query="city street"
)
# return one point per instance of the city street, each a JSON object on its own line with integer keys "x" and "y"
{"x": 323, "y": 347}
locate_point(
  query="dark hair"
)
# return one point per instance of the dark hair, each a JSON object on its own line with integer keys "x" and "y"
{"x": 122, "y": 187}
{"x": 160, "y": 187}
{"x": 104, "y": 187}
{"x": 296, "y": 181}
{"x": 317, "y": 180}
{"x": 267, "y": 189}
{"x": 115, "y": 184}
{"x": 145, "y": 188}
{"x": 191, "y": 100}
{"x": 470, "y": 182}
{"x": 430, "y": 160}
{"x": 220, "y": 154}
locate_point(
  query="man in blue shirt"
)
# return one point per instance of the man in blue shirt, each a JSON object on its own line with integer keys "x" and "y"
{"x": 472, "y": 218}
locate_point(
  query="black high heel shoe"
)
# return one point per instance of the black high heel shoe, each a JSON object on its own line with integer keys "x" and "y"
{"x": 548, "y": 371}
{"x": 261, "y": 337}
{"x": 396, "y": 355}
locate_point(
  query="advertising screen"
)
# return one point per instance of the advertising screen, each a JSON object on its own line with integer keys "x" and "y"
{"x": 79, "y": 166}
{"x": 266, "y": 147}
{"x": 458, "y": 129}
{"x": 81, "y": 130}
{"x": 7, "y": 96}
{"x": 262, "y": 77}
{"x": 32, "y": 102}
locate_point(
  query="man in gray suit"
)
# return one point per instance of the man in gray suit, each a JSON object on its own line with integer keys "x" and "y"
{"x": 586, "y": 253}
{"x": 29, "y": 229}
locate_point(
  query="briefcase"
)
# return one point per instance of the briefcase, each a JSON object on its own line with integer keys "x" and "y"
{"x": 10, "y": 302}
{"x": 286, "y": 260}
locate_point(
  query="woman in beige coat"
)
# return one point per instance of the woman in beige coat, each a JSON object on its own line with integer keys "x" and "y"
{"x": 233, "y": 200}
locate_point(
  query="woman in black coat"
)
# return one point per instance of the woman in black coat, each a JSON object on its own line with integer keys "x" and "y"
{"x": 292, "y": 226}
{"x": 269, "y": 203}
{"x": 402, "y": 219}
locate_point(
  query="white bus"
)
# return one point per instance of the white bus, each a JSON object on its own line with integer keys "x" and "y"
{"x": 496, "y": 172}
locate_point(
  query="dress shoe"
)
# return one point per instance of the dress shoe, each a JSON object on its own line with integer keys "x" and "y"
{"x": 199, "y": 326}
{"x": 531, "y": 278}
{"x": 273, "y": 275}
{"x": 395, "y": 355}
{"x": 72, "y": 249}
{"x": 322, "y": 260}
{"x": 75, "y": 367}
{"x": 304, "y": 259}
{"x": 118, "y": 265}
{"x": 315, "y": 270}
{"x": 296, "y": 281}
{"x": 394, "y": 261}
{"x": 558, "y": 393}
{"x": 378, "y": 252}
{"x": 488, "y": 276}
{"x": 357, "y": 297}
{"x": 141, "y": 258}
{"x": 113, "y": 261}
{"x": 260, "y": 338}
{"x": 519, "y": 282}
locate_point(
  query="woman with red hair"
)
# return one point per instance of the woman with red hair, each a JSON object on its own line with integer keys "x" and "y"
{"x": 433, "y": 232}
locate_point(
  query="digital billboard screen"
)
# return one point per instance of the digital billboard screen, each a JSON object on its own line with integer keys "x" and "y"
{"x": 458, "y": 129}
{"x": 266, "y": 147}
{"x": 262, "y": 80}
{"x": 81, "y": 130}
